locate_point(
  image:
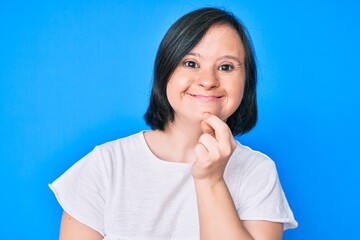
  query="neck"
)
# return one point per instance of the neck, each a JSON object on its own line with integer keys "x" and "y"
{"x": 176, "y": 143}
{"x": 184, "y": 134}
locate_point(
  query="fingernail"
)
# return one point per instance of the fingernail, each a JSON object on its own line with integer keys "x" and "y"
{"x": 206, "y": 115}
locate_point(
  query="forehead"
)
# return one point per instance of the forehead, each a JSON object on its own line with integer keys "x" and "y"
{"x": 220, "y": 38}
{"x": 221, "y": 29}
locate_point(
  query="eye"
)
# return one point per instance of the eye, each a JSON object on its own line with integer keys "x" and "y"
{"x": 191, "y": 64}
{"x": 226, "y": 67}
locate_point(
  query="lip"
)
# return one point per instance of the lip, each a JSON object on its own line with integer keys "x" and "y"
{"x": 205, "y": 97}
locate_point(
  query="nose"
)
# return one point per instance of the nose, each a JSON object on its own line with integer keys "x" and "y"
{"x": 208, "y": 79}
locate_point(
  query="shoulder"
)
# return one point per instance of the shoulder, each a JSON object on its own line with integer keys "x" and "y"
{"x": 112, "y": 153}
{"x": 256, "y": 188}
{"x": 118, "y": 146}
{"x": 247, "y": 164}
{"x": 246, "y": 158}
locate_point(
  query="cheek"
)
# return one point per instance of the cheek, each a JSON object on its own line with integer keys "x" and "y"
{"x": 177, "y": 84}
{"x": 236, "y": 101}
{"x": 240, "y": 93}
{"x": 235, "y": 97}
{"x": 173, "y": 89}
{"x": 170, "y": 88}
{"x": 236, "y": 91}
{"x": 170, "y": 94}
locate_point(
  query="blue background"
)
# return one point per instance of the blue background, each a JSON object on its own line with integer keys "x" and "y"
{"x": 74, "y": 75}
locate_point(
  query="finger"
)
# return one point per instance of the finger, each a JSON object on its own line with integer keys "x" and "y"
{"x": 201, "y": 153}
{"x": 206, "y": 128}
{"x": 222, "y": 131}
{"x": 211, "y": 145}
{"x": 220, "y": 127}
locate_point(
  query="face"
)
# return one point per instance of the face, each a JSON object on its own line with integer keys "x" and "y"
{"x": 210, "y": 78}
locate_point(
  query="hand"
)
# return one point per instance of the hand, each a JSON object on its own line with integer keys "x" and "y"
{"x": 214, "y": 149}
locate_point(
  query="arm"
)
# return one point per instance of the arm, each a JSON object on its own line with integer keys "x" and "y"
{"x": 219, "y": 218}
{"x": 217, "y": 213}
{"x": 71, "y": 229}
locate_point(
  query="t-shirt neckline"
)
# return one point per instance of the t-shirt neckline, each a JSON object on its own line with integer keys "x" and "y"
{"x": 153, "y": 157}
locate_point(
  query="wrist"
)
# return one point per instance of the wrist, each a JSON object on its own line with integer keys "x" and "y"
{"x": 208, "y": 183}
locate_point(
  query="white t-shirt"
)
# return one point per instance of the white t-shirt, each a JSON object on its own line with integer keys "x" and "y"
{"x": 123, "y": 191}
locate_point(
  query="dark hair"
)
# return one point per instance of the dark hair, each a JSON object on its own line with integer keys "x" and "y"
{"x": 179, "y": 40}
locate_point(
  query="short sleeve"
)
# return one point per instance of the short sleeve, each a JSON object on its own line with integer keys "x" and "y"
{"x": 261, "y": 196}
{"x": 81, "y": 190}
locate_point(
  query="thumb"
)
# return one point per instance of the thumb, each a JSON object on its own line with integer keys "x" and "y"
{"x": 205, "y": 127}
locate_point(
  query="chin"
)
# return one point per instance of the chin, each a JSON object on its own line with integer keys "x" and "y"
{"x": 216, "y": 113}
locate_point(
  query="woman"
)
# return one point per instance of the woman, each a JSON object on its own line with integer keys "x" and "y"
{"x": 187, "y": 178}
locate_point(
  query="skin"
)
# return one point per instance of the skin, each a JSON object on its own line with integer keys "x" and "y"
{"x": 204, "y": 90}
{"x": 72, "y": 229}
{"x": 209, "y": 79}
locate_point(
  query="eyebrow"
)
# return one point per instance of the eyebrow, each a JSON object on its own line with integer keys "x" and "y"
{"x": 221, "y": 58}
{"x": 231, "y": 57}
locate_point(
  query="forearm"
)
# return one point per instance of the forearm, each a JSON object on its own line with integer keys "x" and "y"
{"x": 217, "y": 214}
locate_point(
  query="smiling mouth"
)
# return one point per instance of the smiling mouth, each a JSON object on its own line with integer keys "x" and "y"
{"x": 205, "y": 97}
